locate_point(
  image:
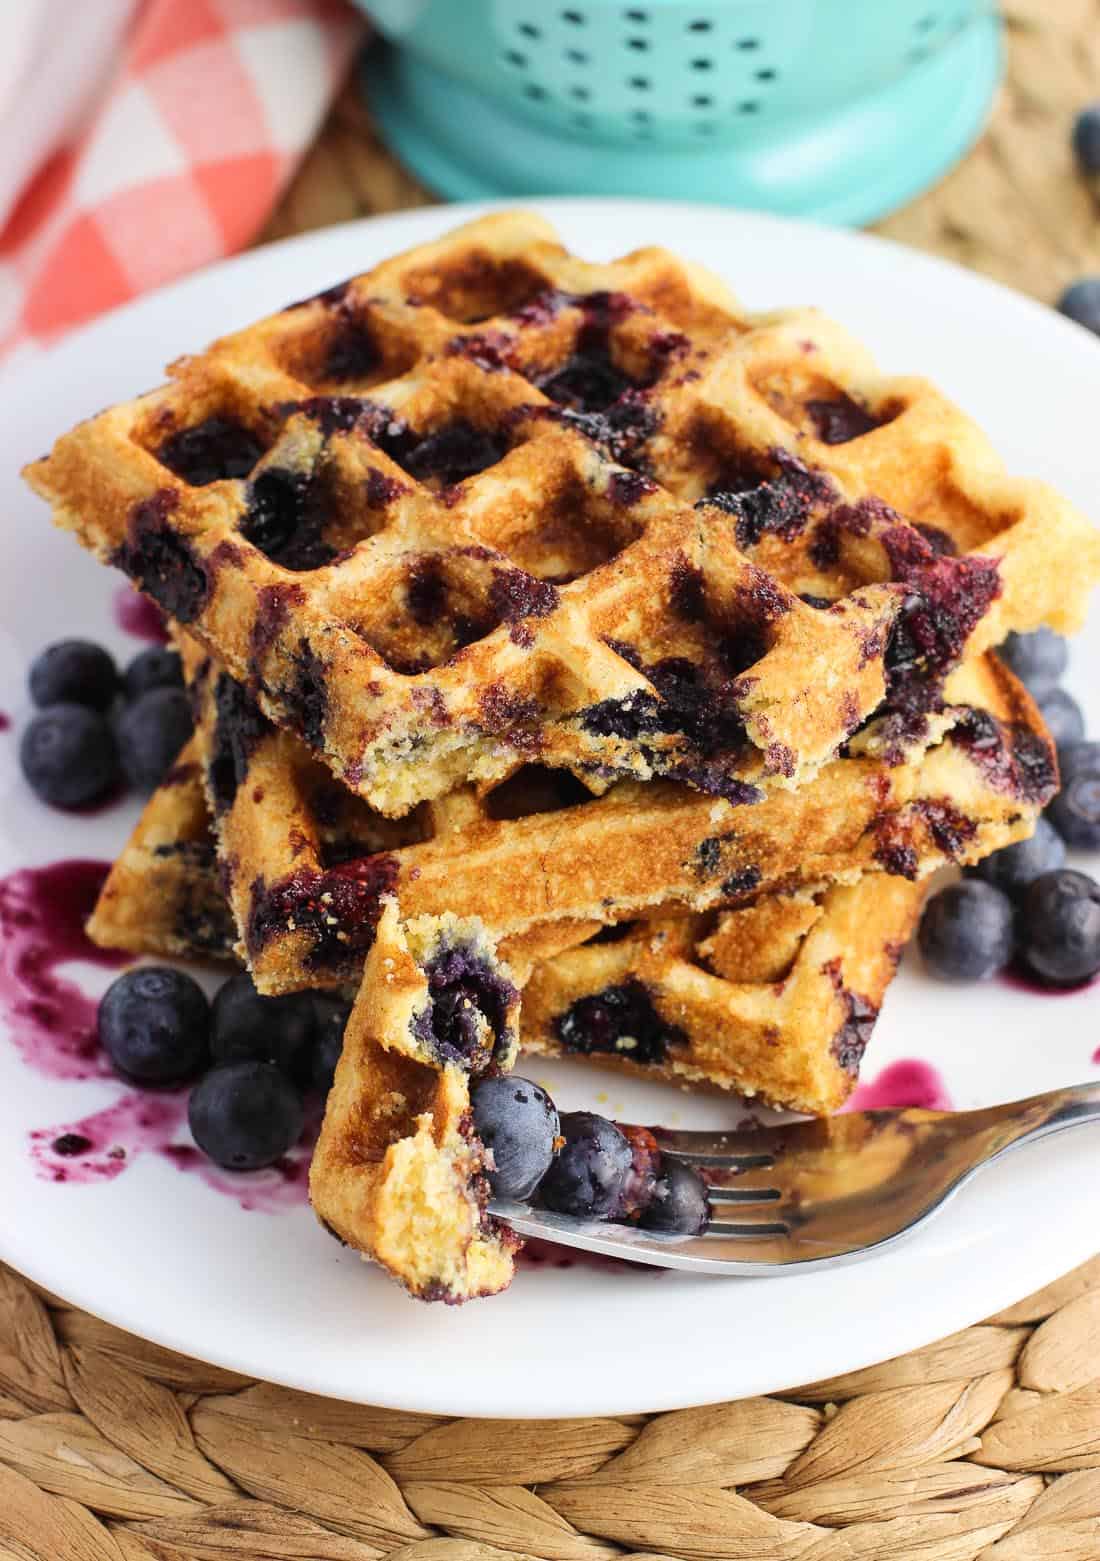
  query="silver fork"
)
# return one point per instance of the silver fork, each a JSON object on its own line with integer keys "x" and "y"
{"x": 810, "y": 1194}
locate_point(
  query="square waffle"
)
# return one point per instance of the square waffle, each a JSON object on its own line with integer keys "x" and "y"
{"x": 488, "y": 502}
{"x": 398, "y": 1171}
{"x": 306, "y": 864}
{"x": 775, "y": 997}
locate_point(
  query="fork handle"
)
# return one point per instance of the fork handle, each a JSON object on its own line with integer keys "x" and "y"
{"x": 1040, "y": 1116}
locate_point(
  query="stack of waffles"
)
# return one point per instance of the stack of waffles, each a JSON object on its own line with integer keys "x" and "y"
{"x": 577, "y": 662}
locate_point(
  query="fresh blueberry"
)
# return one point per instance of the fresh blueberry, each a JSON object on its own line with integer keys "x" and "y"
{"x": 1075, "y": 811}
{"x": 330, "y": 1016}
{"x": 588, "y": 1173}
{"x": 157, "y": 667}
{"x": 1014, "y": 867}
{"x": 519, "y": 1122}
{"x": 151, "y": 733}
{"x": 679, "y": 1201}
{"x": 73, "y": 672}
{"x": 246, "y": 1027}
{"x": 68, "y": 756}
{"x": 1086, "y": 138}
{"x": 966, "y": 933}
{"x": 245, "y": 1115}
{"x": 1081, "y": 303}
{"x": 1063, "y": 717}
{"x": 1038, "y": 659}
{"x": 1060, "y": 927}
{"x": 154, "y": 1024}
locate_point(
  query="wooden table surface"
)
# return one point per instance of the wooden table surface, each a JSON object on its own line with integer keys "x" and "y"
{"x": 1015, "y": 208}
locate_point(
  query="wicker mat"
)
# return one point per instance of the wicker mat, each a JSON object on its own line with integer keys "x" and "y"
{"x": 985, "y": 1446}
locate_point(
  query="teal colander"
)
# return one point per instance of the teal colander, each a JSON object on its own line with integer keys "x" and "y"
{"x": 837, "y": 109}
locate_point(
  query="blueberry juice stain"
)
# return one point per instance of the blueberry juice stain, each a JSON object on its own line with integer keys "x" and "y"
{"x": 137, "y": 615}
{"x": 42, "y": 914}
{"x": 907, "y": 1082}
{"x": 52, "y": 1024}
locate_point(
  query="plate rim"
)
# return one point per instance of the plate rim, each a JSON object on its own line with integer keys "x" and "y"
{"x": 562, "y": 208}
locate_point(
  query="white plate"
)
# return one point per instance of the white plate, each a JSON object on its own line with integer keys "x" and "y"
{"x": 164, "y": 1255}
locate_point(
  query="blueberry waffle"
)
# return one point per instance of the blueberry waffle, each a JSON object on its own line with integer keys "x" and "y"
{"x": 306, "y": 864}
{"x": 487, "y": 503}
{"x": 776, "y": 996}
{"x": 398, "y": 1172}
{"x": 163, "y": 895}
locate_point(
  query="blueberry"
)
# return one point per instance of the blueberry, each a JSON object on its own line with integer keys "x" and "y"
{"x": 588, "y": 1173}
{"x": 1081, "y": 303}
{"x": 151, "y": 733}
{"x": 966, "y": 933}
{"x": 245, "y": 1115}
{"x": 73, "y": 672}
{"x": 1060, "y": 927}
{"x": 154, "y": 1024}
{"x": 157, "y": 667}
{"x": 330, "y": 1021}
{"x": 1063, "y": 717}
{"x": 68, "y": 756}
{"x": 246, "y": 1027}
{"x": 1038, "y": 659}
{"x": 519, "y": 1122}
{"x": 1014, "y": 867}
{"x": 679, "y": 1201}
{"x": 1086, "y": 138}
{"x": 1075, "y": 811}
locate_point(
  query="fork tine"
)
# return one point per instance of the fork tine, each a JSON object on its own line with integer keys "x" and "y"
{"x": 742, "y": 1198}
{"x": 748, "y": 1229}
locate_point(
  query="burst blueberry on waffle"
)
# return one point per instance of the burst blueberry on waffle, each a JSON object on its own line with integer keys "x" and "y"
{"x": 772, "y": 992}
{"x": 561, "y": 629}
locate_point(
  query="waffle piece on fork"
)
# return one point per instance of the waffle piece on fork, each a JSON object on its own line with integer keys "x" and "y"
{"x": 487, "y": 501}
{"x": 398, "y": 1172}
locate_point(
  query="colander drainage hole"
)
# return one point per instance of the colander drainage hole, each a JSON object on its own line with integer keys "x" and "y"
{"x": 637, "y": 44}
{"x": 581, "y": 94}
{"x": 702, "y": 64}
{"x": 765, "y": 75}
{"x": 529, "y": 30}
{"x": 574, "y": 17}
{"x": 533, "y": 90}
{"x": 637, "y": 16}
{"x": 747, "y": 44}
{"x": 576, "y": 56}
{"x": 749, "y": 106}
{"x": 700, "y": 25}
{"x": 514, "y": 57}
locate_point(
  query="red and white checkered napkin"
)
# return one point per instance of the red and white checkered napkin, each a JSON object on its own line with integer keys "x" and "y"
{"x": 172, "y": 155}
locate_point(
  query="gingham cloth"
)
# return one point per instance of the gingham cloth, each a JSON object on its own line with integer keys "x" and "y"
{"x": 162, "y": 136}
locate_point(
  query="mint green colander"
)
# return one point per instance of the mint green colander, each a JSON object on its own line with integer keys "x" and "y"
{"x": 838, "y": 109}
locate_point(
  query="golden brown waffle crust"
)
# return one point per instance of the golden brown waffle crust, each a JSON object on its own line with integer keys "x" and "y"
{"x": 303, "y": 922}
{"x": 398, "y": 1172}
{"x": 326, "y": 649}
{"x": 775, "y": 998}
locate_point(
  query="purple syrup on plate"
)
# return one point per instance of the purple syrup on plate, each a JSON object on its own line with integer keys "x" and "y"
{"x": 52, "y": 1024}
{"x": 137, "y": 615}
{"x": 5, "y": 721}
{"x": 100, "y": 1146}
{"x": 42, "y": 915}
{"x": 907, "y": 1082}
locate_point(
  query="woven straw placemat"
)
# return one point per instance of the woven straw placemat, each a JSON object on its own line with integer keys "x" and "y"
{"x": 984, "y": 1447}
